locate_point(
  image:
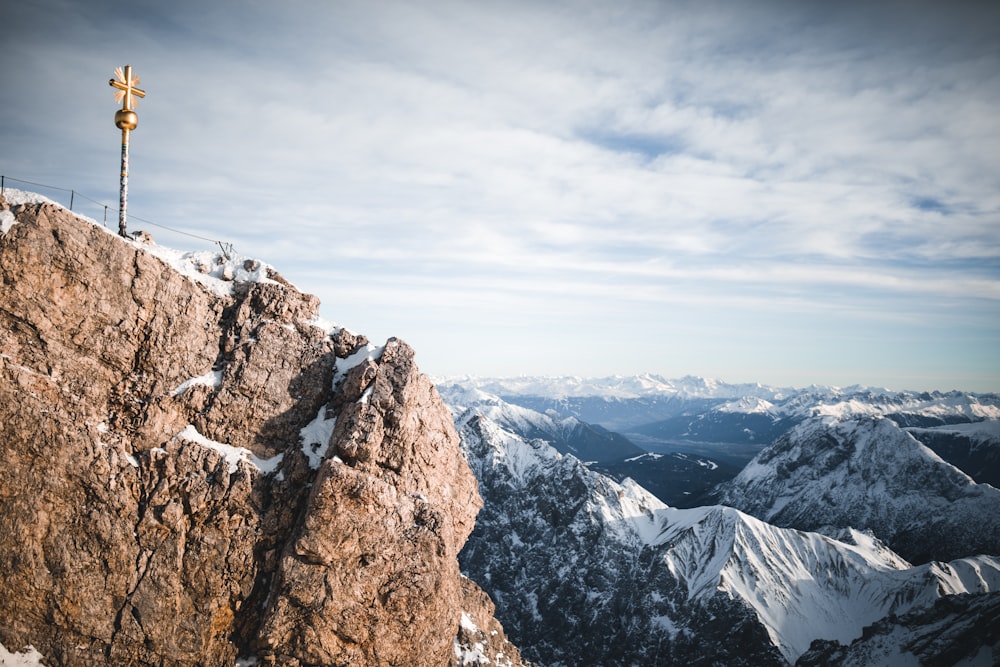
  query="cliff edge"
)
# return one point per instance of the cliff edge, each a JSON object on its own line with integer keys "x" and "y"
{"x": 194, "y": 468}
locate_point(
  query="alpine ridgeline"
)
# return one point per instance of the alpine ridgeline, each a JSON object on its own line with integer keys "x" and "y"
{"x": 196, "y": 468}
{"x": 589, "y": 571}
{"x": 868, "y": 473}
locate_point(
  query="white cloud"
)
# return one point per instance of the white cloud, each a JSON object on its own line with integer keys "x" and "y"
{"x": 783, "y": 157}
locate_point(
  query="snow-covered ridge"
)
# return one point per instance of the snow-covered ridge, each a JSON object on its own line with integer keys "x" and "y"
{"x": 513, "y": 417}
{"x": 16, "y": 197}
{"x": 867, "y": 473}
{"x": 801, "y": 586}
{"x": 748, "y": 405}
{"x": 805, "y": 586}
{"x": 941, "y": 405}
{"x": 988, "y": 430}
{"x": 505, "y": 449}
{"x": 216, "y": 271}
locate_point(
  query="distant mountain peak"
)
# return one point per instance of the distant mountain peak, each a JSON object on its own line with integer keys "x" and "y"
{"x": 867, "y": 473}
{"x": 615, "y": 386}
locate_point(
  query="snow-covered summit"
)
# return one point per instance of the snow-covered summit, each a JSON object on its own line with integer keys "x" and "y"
{"x": 748, "y": 405}
{"x": 805, "y": 586}
{"x": 867, "y": 473}
{"x": 567, "y": 434}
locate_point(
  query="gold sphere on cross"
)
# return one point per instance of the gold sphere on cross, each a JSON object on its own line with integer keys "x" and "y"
{"x": 126, "y": 119}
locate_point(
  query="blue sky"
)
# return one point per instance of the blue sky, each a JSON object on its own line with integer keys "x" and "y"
{"x": 783, "y": 192}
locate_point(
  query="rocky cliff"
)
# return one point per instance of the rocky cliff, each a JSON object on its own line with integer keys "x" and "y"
{"x": 195, "y": 468}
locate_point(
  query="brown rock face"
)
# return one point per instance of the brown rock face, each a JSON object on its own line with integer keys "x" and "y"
{"x": 189, "y": 475}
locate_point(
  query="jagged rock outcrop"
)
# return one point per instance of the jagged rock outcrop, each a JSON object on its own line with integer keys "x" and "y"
{"x": 481, "y": 639}
{"x": 194, "y": 468}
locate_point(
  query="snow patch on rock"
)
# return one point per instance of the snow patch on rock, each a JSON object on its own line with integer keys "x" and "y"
{"x": 210, "y": 379}
{"x": 26, "y": 657}
{"x": 316, "y": 437}
{"x": 232, "y": 455}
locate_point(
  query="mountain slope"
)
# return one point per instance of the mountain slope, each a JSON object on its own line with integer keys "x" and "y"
{"x": 974, "y": 448}
{"x": 563, "y": 553}
{"x": 956, "y": 630}
{"x": 869, "y": 474}
{"x": 568, "y": 435}
{"x": 586, "y": 571}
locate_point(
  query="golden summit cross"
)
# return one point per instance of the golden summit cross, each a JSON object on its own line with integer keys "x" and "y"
{"x": 126, "y": 120}
{"x": 126, "y": 85}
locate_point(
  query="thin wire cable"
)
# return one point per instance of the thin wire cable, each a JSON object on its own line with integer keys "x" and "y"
{"x": 93, "y": 201}
{"x": 221, "y": 244}
{"x": 41, "y": 185}
{"x": 171, "y": 229}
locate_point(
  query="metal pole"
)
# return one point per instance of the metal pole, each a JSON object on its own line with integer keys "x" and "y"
{"x": 126, "y": 120}
{"x": 72, "y": 193}
{"x": 123, "y": 195}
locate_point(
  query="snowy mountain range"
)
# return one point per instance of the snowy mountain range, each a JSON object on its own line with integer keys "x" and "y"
{"x": 623, "y": 403}
{"x": 724, "y": 426}
{"x": 677, "y": 478}
{"x": 588, "y": 570}
{"x": 869, "y": 474}
{"x": 620, "y": 387}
